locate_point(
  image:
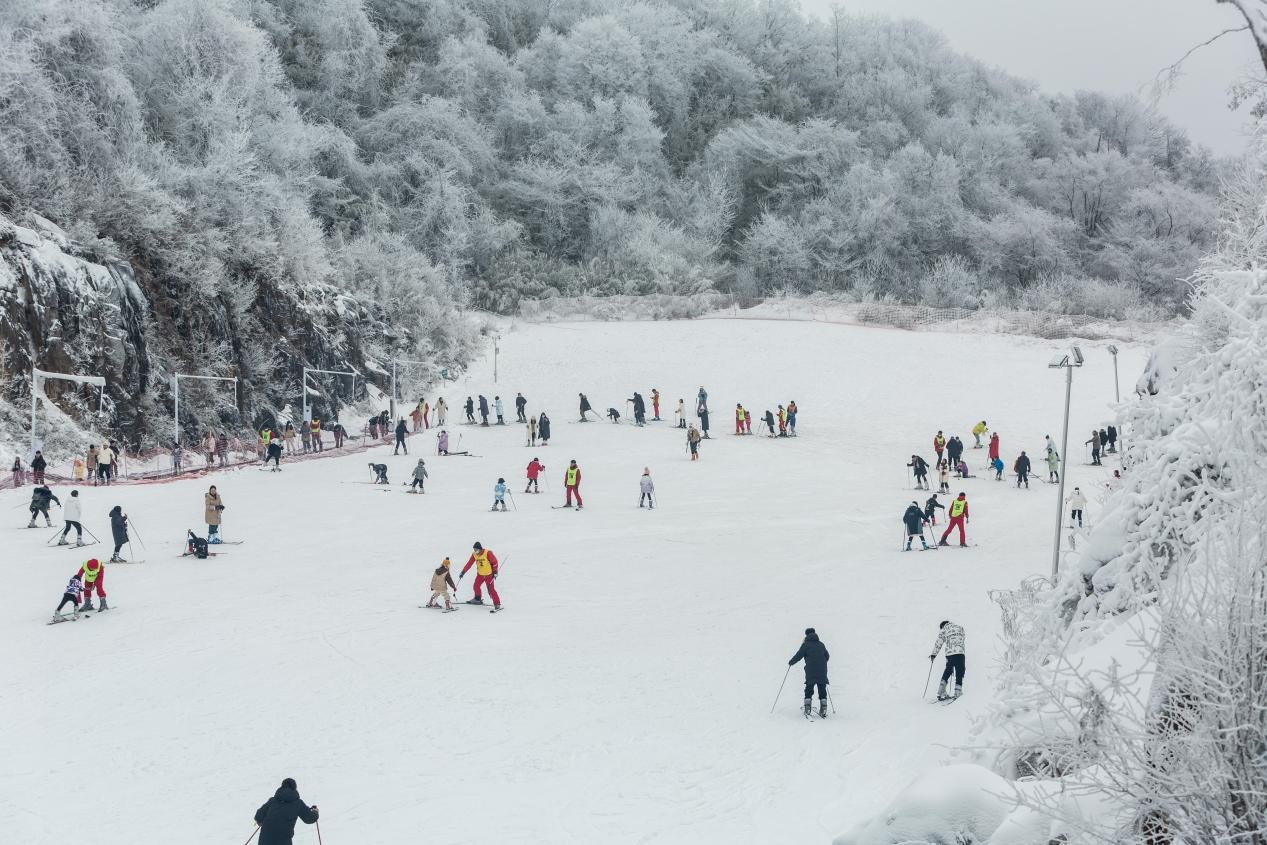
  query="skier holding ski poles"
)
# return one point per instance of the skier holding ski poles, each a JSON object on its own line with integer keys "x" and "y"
{"x": 951, "y": 636}
{"x": 815, "y": 655}
{"x": 914, "y": 520}
{"x": 485, "y": 563}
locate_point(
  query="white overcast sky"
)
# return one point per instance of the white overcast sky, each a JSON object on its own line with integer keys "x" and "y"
{"x": 1114, "y": 46}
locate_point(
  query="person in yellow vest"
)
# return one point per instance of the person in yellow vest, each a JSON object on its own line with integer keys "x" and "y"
{"x": 315, "y": 432}
{"x": 93, "y": 576}
{"x": 655, "y": 405}
{"x": 740, "y": 415}
{"x": 978, "y": 431}
{"x": 958, "y": 517}
{"x": 782, "y": 421}
{"x": 572, "y": 484}
{"x": 939, "y": 444}
{"x": 485, "y": 563}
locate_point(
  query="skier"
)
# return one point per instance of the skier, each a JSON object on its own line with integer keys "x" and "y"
{"x": 768, "y": 419}
{"x": 740, "y": 414}
{"x": 958, "y": 518}
{"x": 442, "y": 443}
{"x": 441, "y": 410}
{"x": 994, "y": 446}
{"x": 212, "y": 511}
{"x": 499, "y": 495}
{"x": 195, "y": 546}
{"x": 402, "y": 431}
{"x": 1050, "y": 444}
{"x": 939, "y": 443}
{"x": 535, "y": 468}
{"x": 380, "y": 477}
{"x": 1053, "y": 466}
{"x": 532, "y": 432}
{"x": 470, "y": 410}
{"x": 954, "y": 449}
{"x": 639, "y": 409}
{"x": 318, "y": 442}
{"x": 70, "y": 596}
{"x": 483, "y": 410}
{"x": 791, "y": 419}
{"x": 1077, "y": 502}
{"x": 943, "y": 477}
{"x": 692, "y": 442}
{"x": 782, "y": 415}
{"x": 997, "y": 466}
{"x": 613, "y": 415}
{"x": 72, "y": 515}
{"x": 1095, "y": 448}
{"x": 703, "y": 421}
{"x": 93, "y": 576}
{"x": 655, "y": 405}
{"x": 520, "y": 404}
{"x": 584, "y": 406}
{"x": 572, "y": 483}
{"x": 118, "y": 531}
{"x": 978, "y": 431}
{"x": 497, "y": 409}
{"x": 951, "y": 637}
{"x": 1112, "y": 432}
{"x": 815, "y": 655}
{"x": 425, "y": 408}
{"x": 543, "y": 429}
{"x": 914, "y": 520}
{"x": 680, "y": 413}
{"x": 38, "y": 465}
{"x": 1022, "y": 468}
{"x": 420, "y": 477}
{"x": 931, "y": 507}
{"x": 920, "y": 467}
{"x": 275, "y": 453}
{"x": 278, "y": 815}
{"x": 415, "y": 417}
{"x": 41, "y": 497}
{"x": 646, "y": 489}
{"x": 17, "y": 471}
{"x": 701, "y": 400}
{"x": 441, "y": 583}
{"x": 485, "y": 563}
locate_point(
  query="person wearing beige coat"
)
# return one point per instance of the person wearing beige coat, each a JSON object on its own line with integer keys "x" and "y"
{"x": 213, "y": 506}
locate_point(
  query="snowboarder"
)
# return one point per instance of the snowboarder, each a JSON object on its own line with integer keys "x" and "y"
{"x": 38, "y": 465}
{"x": 380, "y": 475}
{"x": 278, "y": 815}
{"x": 93, "y": 576}
{"x": 70, "y": 596}
{"x": 584, "y": 406}
{"x": 655, "y": 405}
{"x": 543, "y": 429}
{"x": 572, "y": 484}
{"x": 41, "y": 497}
{"x": 442, "y": 410}
{"x": 943, "y": 477}
{"x": 692, "y": 442}
{"x": 485, "y": 563}
{"x": 118, "y": 531}
{"x": 499, "y": 495}
{"x": 402, "y": 431}
{"x": 994, "y": 446}
{"x": 520, "y": 404}
{"x": 646, "y": 489}
{"x": 442, "y": 443}
{"x": 680, "y": 413}
{"x": 1077, "y": 501}
{"x": 470, "y": 410}
{"x": 1022, "y": 468}
{"x": 441, "y": 583}
{"x": 535, "y": 468}
{"x": 1053, "y": 466}
{"x": 815, "y": 655}
{"x": 939, "y": 443}
{"x": 919, "y": 467}
{"x": 613, "y": 415}
{"x": 420, "y": 477}
{"x": 931, "y": 507}
{"x": 914, "y": 520}
{"x": 958, "y": 518}
{"x": 978, "y": 431}
{"x": 532, "y": 432}
{"x": 1095, "y": 448}
{"x": 72, "y": 516}
{"x": 497, "y": 409}
{"x": 791, "y": 419}
{"x": 951, "y": 637}
{"x": 483, "y": 410}
{"x": 213, "y": 510}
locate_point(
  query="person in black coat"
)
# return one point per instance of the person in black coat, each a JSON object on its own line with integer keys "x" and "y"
{"x": 278, "y": 815}
{"x": 41, "y": 498}
{"x": 1112, "y": 432}
{"x": 815, "y": 655}
{"x": 469, "y": 407}
{"x": 1022, "y": 468}
{"x": 914, "y": 520}
{"x": 584, "y": 406}
{"x": 520, "y": 404}
{"x": 920, "y": 466}
{"x": 402, "y": 431}
{"x": 954, "y": 448}
{"x": 639, "y": 409}
{"x": 483, "y": 410}
{"x": 543, "y": 429}
{"x": 930, "y": 509}
{"x": 119, "y": 528}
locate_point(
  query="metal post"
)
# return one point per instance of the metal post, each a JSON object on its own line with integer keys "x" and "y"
{"x": 33, "y": 401}
{"x": 1064, "y": 469}
{"x": 176, "y": 410}
{"x": 1117, "y": 396}
{"x": 496, "y": 352}
{"x": 392, "y": 403}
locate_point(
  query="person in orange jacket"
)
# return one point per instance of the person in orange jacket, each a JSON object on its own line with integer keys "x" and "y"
{"x": 485, "y": 563}
{"x": 958, "y": 513}
{"x": 939, "y": 445}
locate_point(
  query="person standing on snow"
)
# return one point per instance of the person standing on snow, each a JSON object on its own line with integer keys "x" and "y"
{"x": 38, "y": 465}
{"x": 791, "y": 419}
{"x": 572, "y": 483}
{"x": 997, "y": 466}
{"x": 701, "y": 400}
{"x": 1077, "y": 502}
{"x": 994, "y": 446}
{"x": 692, "y": 442}
{"x": 543, "y": 429}
{"x": 415, "y": 417}
{"x": 1022, "y": 468}
{"x": 499, "y": 495}
{"x": 278, "y": 815}
{"x": 815, "y": 655}
{"x": 680, "y": 413}
{"x": 958, "y": 518}
{"x": 485, "y": 563}
{"x": 943, "y": 477}
{"x": 17, "y": 470}
{"x": 118, "y": 531}
{"x": 402, "y": 431}
{"x": 470, "y": 410}
{"x": 535, "y": 468}
{"x": 951, "y": 637}
{"x": 930, "y": 509}
{"x": 920, "y": 468}
{"x": 639, "y": 409}
{"x": 584, "y": 405}
{"x": 70, "y": 596}
{"x": 93, "y": 576}
{"x": 655, "y": 405}
{"x": 532, "y": 432}
{"x": 72, "y": 516}
{"x": 212, "y": 510}
{"x": 483, "y": 410}
{"x": 497, "y": 409}
{"x": 1112, "y": 432}
{"x": 914, "y": 520}
{"x": 978, "y": 431}
{"x": 441, "y": 583}
{"x": 442, "y": 442}
{"x": 441, "y": 411}
{"x": 646, "y": 489}
{"x": 740, "y": 414}
{"x": 520, "y": 404}
{"x": 41, "y": 498}
{"x": 1053, "y": 466}
{"x": 318, "y": 442}
{"x": 954, "y": 449}
{"x": 420, "y": 477}
{"x": 274, "y": 453}
{"x": 939, "y": 444}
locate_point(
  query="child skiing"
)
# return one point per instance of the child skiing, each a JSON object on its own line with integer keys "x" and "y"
{"x": 584, "y": 405}
{"x": 441, "y": 583}
{"x": 994, "y": 446}
{"x": 74, "y": 588}
{"x": 952, "y": 638}
{"x": 791, "y": 419}
{"x": 943, "y": 477}
{"x": 647, "y": 489}
{"x": 535, "y": 468}
{"x": 402, "y": 431}
{"x": 930, "y": 509}
{"x": 420, "y": 477}
{"x": 655, "y": 405}
{"x": 497, "y": 409}
{"x": 485, "y": 563}
{"x": 768, "y": 419}
{"x": 958, "y": 517}
{"x": 914, "y": 520}
{"x": 380, "y": 474}
{"x": 680, "y": 413}
{"x": 613, "y": 415}
{"x": 499, "y": 495}
{"x": 997, "y": 466}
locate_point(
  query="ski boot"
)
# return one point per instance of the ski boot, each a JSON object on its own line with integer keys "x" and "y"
{"x": 86, "y": 606}
{"x": 79, "y": 541}
{"x": 908, "y": 546}
{"x": 116, "y": 559}
{"x": 808, "y": 708}
{"x": 48, "y": 523}
{"x": 31, "y": 524}
{"x": 942, "y": 542}
{"x": 958, "y": 692}
{"x": 822, "y": 708}
{"x": 475, "y": 601}
{"x": 103, "y": 605}
{"x": 214, "y": 540}
{"x": 61, "y": 541}
{"x": 941, "y": 692}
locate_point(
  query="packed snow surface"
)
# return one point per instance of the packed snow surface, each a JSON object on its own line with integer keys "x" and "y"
{"x": 624, "y": 694}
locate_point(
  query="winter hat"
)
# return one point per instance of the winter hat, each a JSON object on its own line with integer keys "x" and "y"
{"x": 76, "y": 492}
{"x": 501, "y": 481}
{"x": 944, "y": 623}
{"x": 916, "y": 504}
{"x": 478, "y": 547}
{"x": 809, "y": 631}
{"x": 446, "y": 563}
{"x": 289, "y": 783}
{"x": 92, "y": 563}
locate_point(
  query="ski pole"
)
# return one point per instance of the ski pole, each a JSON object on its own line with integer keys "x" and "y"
{"x": 138, "y": 536}
{"x": 928, "y": 679}
{"x": 831, "y": 701}
{"x": 512, "y": 499}
{"x": 252, "y": 836}
{"x": 90, "y": 534}
{"x": 319, "y": 833}
{"x": 50, "y": 539}
{"x": 780, "y": 692}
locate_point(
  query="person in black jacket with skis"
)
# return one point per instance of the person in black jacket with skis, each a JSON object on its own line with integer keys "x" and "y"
{"x": 920, "y": 467}
{"x": 278, "y": 815}
{"x": 815, "y": 655}
{"x": 520, "y": 404}
{"x": 1022, "y": 468}
{"x": 402, "y": 431}
{"x": 914, "y": 520}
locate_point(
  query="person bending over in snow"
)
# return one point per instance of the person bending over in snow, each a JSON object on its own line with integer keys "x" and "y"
{"x": 485, "y": 563}
{"x": 914, "y": 520}
{"x": 93, "y": 576}
{"x": 951, "y": 637}
{"x": 380, "y": 473}
{"x": 646, "y": 488}
{"x": 74, "y": 589}
{"x": 815, "y": 655}
{"x": 930, "y": 509}
{"x": 278, "y": 815}
{"x": 499, "y": 495}
{"x": 420, "y": 476}
{"x": 441, "y": 583}
{"x": 978, "y": 431}
{"x": 962, "y": 469}
{"x": 958, "y": 517}
{"x": 613, "y": 415}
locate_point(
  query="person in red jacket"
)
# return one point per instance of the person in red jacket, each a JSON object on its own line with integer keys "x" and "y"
{"x": 958, "y": 512}
{"x": 994, "y": 445}
{"x": 939, "y": 445}
{"x": 485, "y": 563}
{"x": 93, "y": 576}
{"x": 534, "y": 471}
{"x": 572, "y": 483}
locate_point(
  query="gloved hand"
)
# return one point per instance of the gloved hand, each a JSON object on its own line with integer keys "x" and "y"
{"x": 931, "y": 658}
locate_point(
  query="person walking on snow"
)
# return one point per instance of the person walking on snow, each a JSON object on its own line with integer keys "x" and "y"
{"x": 1077, "y": 501}
{"x": 470, "y": 410}
{"x": 442, "y": 443}
{"x": 93, "y": 576}
{"x": 931, "y": 507}
{"x": 420, "y": 477}
{"x": 118, "y": 532}
{"x": 943, "y": 477}
{"x": 951, "y": 638}
{"x": 680, "y": 413}
{"x": 441, "y": 583}
{"x": 483, "y": 410}
{"x": 815, "y": 655}
{"x": 914, "y": 520}
{"x": 212, "y": 510}
{"x": 939, "y": 444}
{"x": 978, "y": 431}
{"x": 994, "y": 446}
{"x": 1095, "y": 448}
{"x": 958, "y": 518}
{"x": 38, "y": 465}
{"x": 1053, "y": 466}
{"x": 278, "y": 815}
{"x": 497, "y": 409}
{"x": 70, "y": 596}
{"x": 920, "y": 468}
{"x": 41, "y": 497}
{"x": 584, "y": 405}
{"x": 646, "y": 489}
{"x": 692, "y": 442}
{"x": 499, "y": 495}
{"x": 485, "y": 563}
{"x": 520, "y": 405}
{"x": 572, "y": 484}
{"x": 72, "y": 515}
{"x": 543, "y": 429}
{"x": 442, "y": 410}
{"x": 655, "y": 405}
{"x": 535, "y": 468}
{"x": 1022, "y": 468}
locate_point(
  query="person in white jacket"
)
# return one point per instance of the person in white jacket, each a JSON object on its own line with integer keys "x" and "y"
{"x": 72, "y": 514}
{"x": 681, "y": 413}
{"x": 647, "y": 486}
{"x": 1077, "y": 501}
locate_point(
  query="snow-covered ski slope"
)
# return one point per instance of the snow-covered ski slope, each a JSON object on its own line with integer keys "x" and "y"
{"x": 624, "y": 694}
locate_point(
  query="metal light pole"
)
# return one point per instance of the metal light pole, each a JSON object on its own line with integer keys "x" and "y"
{"x": 1117, "y": 397}
{"x": 176, "y": 403}
{"x": 396, "y": 361}
{"x": 1067, "y": 363}
{"x": 496, "y": 351}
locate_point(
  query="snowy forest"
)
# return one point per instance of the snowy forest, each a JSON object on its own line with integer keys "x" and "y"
{"x": 264, "y": 168}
